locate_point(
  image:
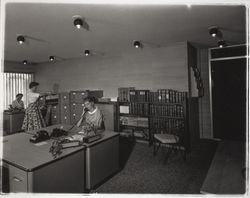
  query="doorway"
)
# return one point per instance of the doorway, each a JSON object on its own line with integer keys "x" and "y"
{"x": 229, "y": 98}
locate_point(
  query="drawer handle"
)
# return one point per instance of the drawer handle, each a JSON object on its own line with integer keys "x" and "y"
{"x": 17, "y": 179}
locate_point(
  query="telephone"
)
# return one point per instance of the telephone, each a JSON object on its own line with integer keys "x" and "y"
{"x": 40, "y": 136}
{"x": 57, "y": 132}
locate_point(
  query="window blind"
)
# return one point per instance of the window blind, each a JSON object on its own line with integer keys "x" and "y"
{"x": 15, "y": 83}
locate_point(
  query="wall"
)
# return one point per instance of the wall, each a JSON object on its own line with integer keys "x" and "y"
{"x": 204, "y": 102}
{"x": 147, "y": 68}
{"x": 10, "y": 66}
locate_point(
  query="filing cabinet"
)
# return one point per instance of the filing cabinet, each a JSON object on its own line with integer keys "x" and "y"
{"x": 64, "y": 105}
{"x": 55, "y": 115}
{"x": 78, "y": 96}
{"x": 71, "y": 106}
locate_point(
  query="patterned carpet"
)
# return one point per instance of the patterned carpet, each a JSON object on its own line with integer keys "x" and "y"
{"x": 141, "y": 172}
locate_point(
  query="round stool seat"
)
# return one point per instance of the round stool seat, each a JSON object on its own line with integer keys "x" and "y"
{"x": 166, "y": 138}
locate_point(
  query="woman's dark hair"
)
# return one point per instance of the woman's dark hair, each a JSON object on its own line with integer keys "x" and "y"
{"x": 90, "y": 99}
{"x": 33, "y": 84}
{"x": 19, "y": 94}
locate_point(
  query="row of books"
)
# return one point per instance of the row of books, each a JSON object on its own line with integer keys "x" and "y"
{"x": 130, "y": 94}
{"x": 138, "y": 108}
{"x": 134, "y": 121}
{"x": 170, "y": 96}
{"x": 165, "y": 124}
{"x": 166, "y": 110}
{"x": 156, "y": 109}
{"x": 123, "y": 93}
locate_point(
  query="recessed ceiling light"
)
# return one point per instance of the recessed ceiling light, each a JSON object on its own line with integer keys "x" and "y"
{"x": 51, "y": 58}
{"x": 221, "y": 43}
{"x": 137, "y": 44}
{"x": 20, "y": 39}
{"x": 213, "y": 31}
{"x": 78, "y": 22}
{"x": 87, "y": 52}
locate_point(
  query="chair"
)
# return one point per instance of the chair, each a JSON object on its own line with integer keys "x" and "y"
{"x": 171, "y": 140}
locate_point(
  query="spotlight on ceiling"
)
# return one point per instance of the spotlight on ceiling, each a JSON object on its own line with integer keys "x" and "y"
{"x": 221, "y": 43}
{"x": 78, "y": 22}
{"x": 20, "y": 39}
{"x": 137, "y": 44}
{"x": 87, "y": 52}
{"x": 51, "y": 58}
{"x": 213, "y": 31}
{"x": 25, "y": 62}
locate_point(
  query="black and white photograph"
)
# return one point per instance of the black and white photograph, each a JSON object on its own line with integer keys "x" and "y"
{"x": 124, "y": 98}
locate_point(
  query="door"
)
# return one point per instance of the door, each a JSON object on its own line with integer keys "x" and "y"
{"x": 229, "y": 98}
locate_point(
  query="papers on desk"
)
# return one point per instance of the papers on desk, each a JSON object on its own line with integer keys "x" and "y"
{"x": 41, "y": 143}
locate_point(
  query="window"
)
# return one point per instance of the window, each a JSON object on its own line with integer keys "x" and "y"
{"x": 15, "y": 83}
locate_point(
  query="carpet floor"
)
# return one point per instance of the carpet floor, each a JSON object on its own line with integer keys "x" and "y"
{"x": 141, "y": 172}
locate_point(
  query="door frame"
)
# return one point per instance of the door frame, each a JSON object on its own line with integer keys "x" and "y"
{"x": 210, "y": 59}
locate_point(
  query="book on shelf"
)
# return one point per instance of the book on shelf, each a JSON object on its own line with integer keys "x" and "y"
{"x": 124, "y": 93}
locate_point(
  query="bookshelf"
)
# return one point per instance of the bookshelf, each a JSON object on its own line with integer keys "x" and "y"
{"x": 144, "y": 113}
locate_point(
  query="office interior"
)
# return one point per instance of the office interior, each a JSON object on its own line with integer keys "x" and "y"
{"x": 170, "y": 80}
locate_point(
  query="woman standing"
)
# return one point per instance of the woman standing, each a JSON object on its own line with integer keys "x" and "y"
{"x": 33, "y": 118}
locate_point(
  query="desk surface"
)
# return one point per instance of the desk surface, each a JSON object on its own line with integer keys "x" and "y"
{"x": 13, "y": 112}
{"x": 20, "y": 152}
{"x": 106, "y": 134}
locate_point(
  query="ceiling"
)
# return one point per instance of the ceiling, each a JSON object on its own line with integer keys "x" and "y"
{"x": 49, "y": 28}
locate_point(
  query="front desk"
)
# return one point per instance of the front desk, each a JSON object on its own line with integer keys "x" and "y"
{"x": 31, "y": 168}
{"x": 12, "y": 121}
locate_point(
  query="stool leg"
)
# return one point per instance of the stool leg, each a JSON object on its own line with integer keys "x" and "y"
{"x": 169, "y": 151}
{"x": 156, "y": 148}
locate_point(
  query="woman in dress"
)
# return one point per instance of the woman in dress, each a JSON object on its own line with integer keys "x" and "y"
{"x": 33, "y": 118}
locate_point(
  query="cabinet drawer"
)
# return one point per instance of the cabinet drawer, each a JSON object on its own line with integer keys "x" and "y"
{"x": 74, "y": 118}
{"x": 76, "y": 108}
{"x": 65, "y": 109}
{"x": 54, "y": 119}
{"x": 64, "y": 98}
{"x": 78, "y": 96}
{"x": 17, "y": 180}
{"x": 65, "y": 119}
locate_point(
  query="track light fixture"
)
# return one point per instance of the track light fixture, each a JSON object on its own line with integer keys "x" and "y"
{"x": 20, "y": 39}
{"x": 213, "y": 31}
{"x": 78, "y": 22}
{"x": 87, "y": 52}
{"x": 25, "y": 62}
{"x": 51, "y": 58}
{"x": 221, "y": 43}
{"x": 137, "y": 44}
